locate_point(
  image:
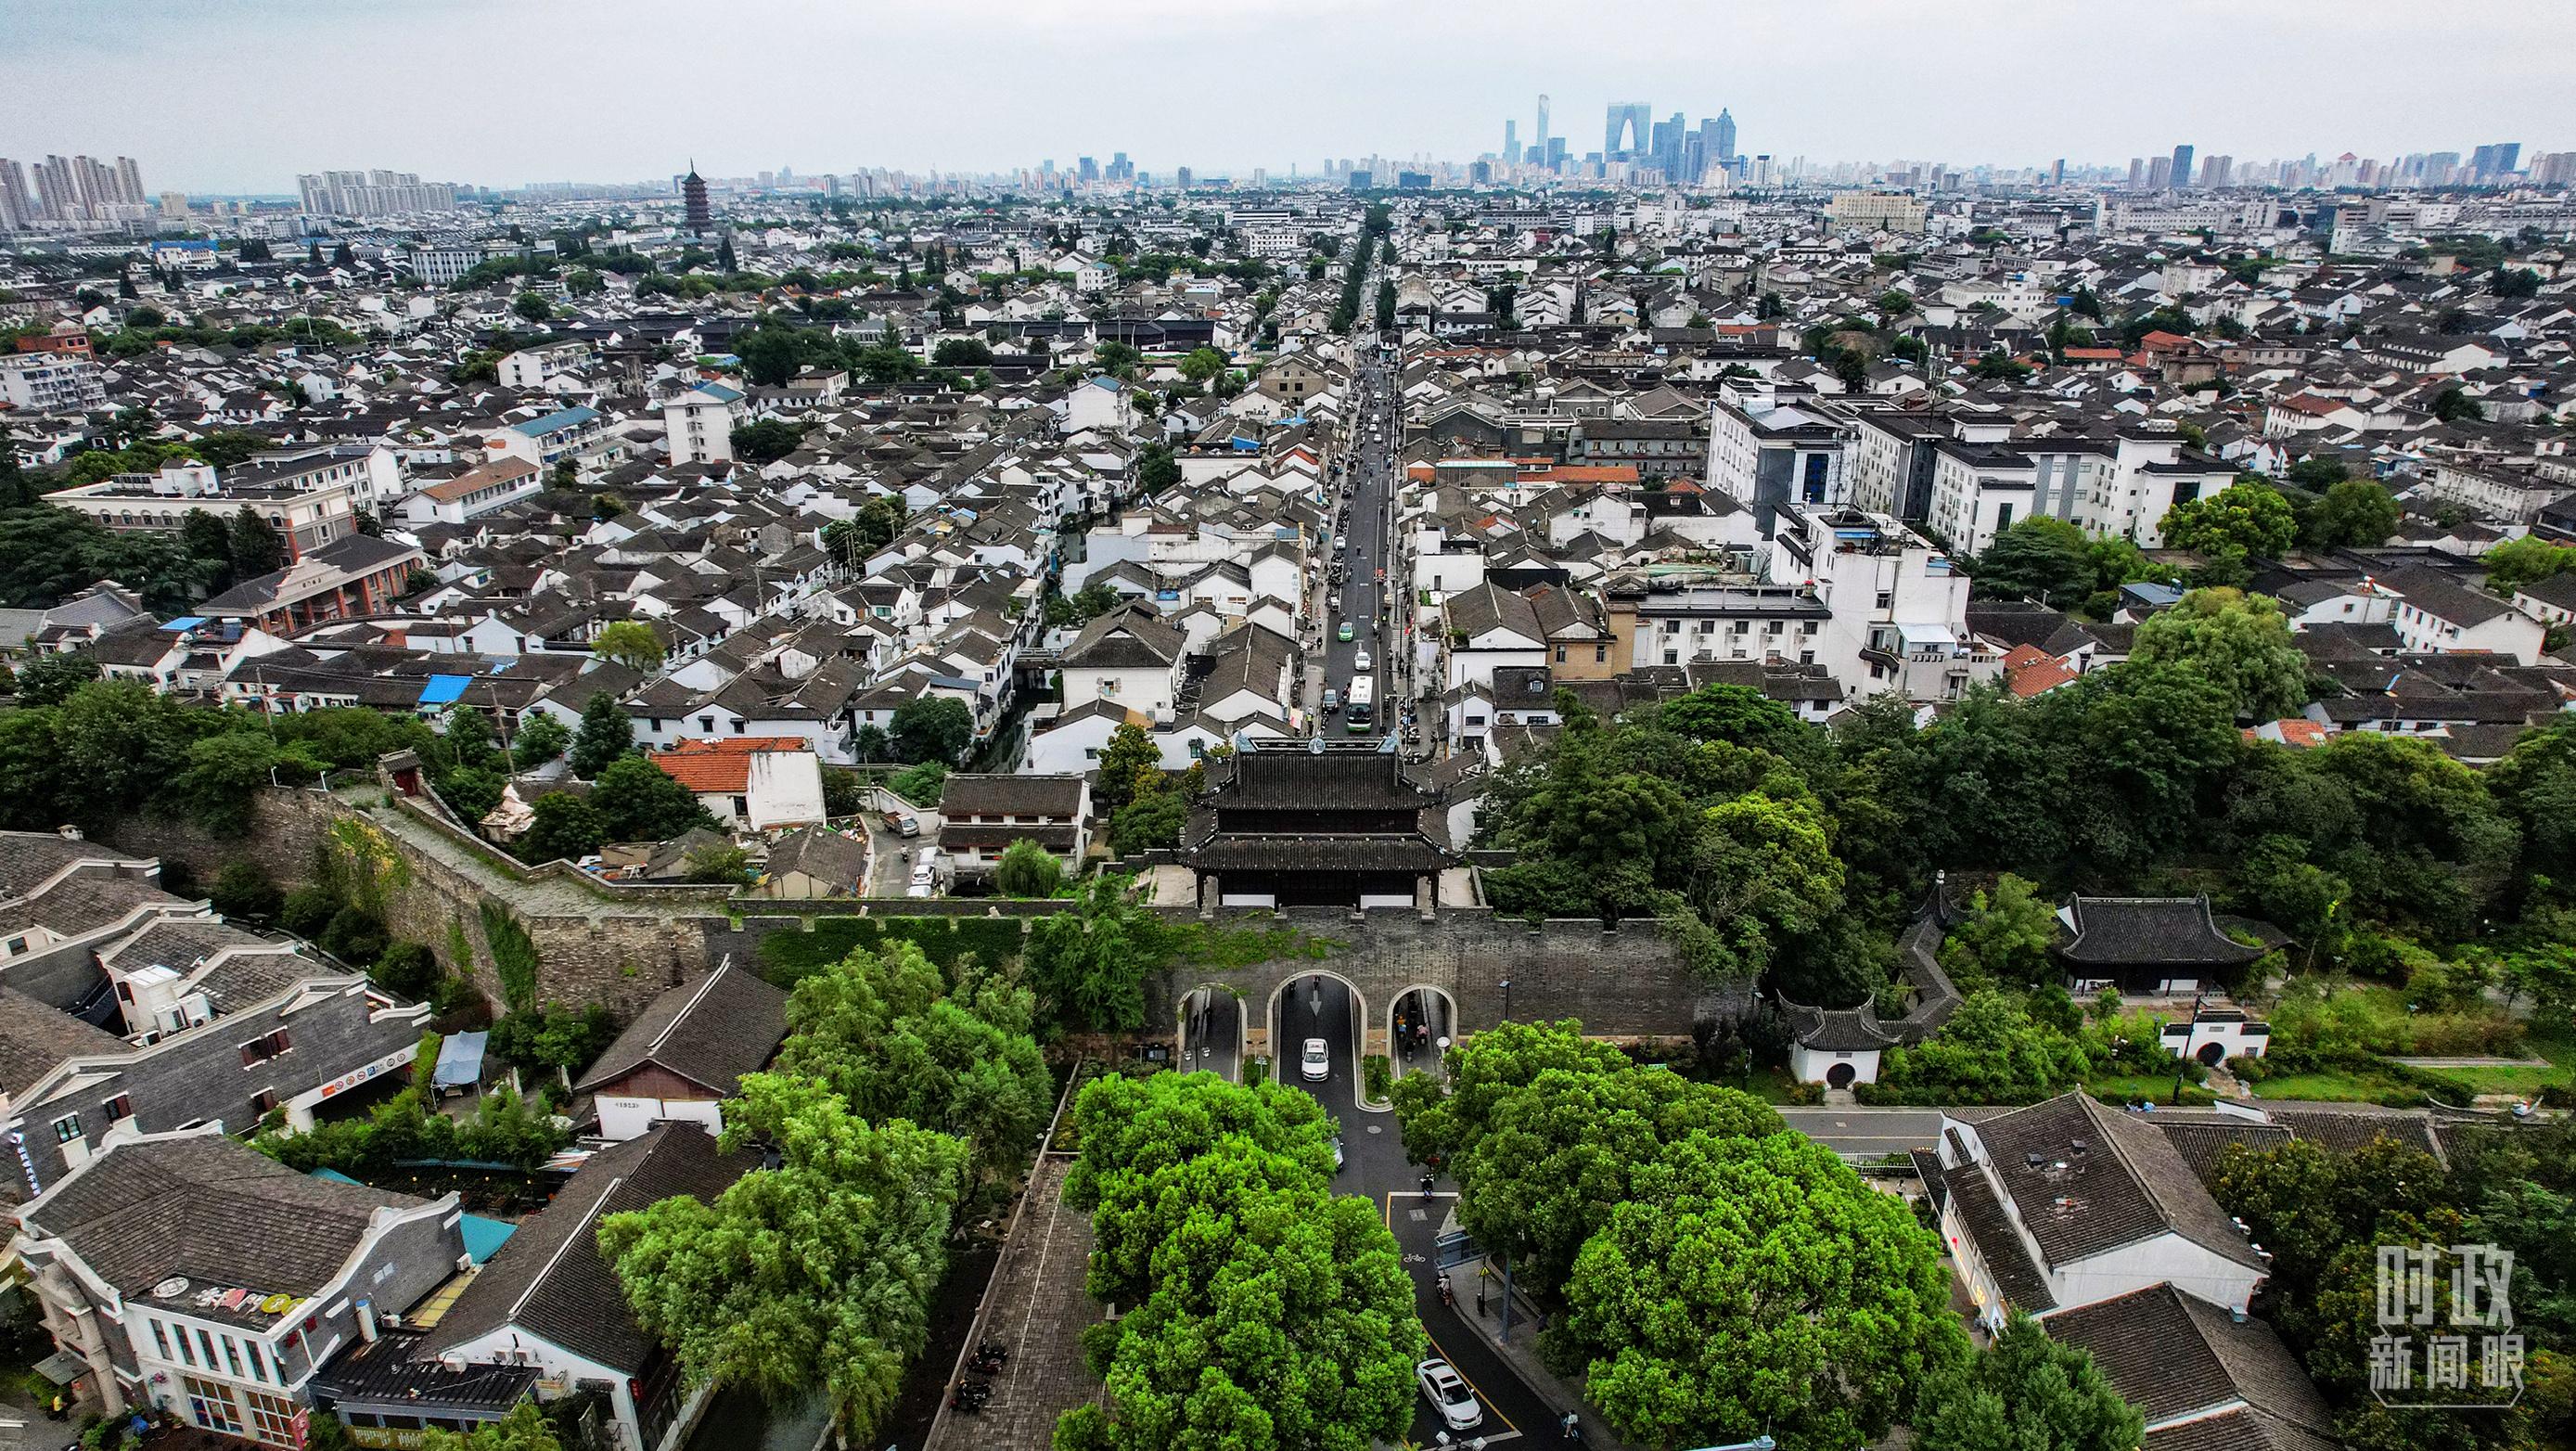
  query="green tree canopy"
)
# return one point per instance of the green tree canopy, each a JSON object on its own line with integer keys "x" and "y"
{"x": 2248, "y": 518}
{"x": 1834, "y": 1304}
{"x": 2025, "y": 1392}
{"x": 2038, "y": 558}
{"x": 766, "y": 441}
{"x": 932, "y": 728}
{"x": 1089, "y": 966}
{"x": 1027, "y": 869}
{"x": 605, "y": 734}
{"x": 1268, "y": 1314}
{"x": 2528, "y": 560}
{"x": 882, "y": 1030}
{"x": 630, "y": 643}
{"x": 2356, "y": 513}
{"x": 567, "y": 828}
{"x": 639, "y": 801}
{"x": 2239, "y": 642}
{"x": 2004, "y": 939}
{"x": 816, "y": 1274}
{"x": 1552, "y": 1157}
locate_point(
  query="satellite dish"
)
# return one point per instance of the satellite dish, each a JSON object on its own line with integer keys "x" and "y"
{"x": 171, "y": 1288}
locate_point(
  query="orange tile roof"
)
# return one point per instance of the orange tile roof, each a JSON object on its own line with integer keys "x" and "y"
{"x": 719, "y": 767}
{"x": 2029, "y": 671}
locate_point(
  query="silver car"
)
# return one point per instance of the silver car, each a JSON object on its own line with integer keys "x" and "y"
{"x": 1316, "y": 1063}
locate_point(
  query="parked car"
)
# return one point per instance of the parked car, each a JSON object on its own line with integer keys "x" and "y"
{"x": 1449, "y": 1395}
{"x": 1316, "y": 1063}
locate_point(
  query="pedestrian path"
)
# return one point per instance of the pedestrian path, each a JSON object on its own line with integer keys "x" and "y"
{"x": 546, "y": 896}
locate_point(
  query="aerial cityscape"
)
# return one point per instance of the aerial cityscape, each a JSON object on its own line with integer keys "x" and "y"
{"x": 1289, "y": 731}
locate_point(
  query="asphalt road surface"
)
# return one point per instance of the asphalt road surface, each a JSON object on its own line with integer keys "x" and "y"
{"x": 1871, "y": 1131}
{"x": 1374, "y": 1166}
{"x": 1360, "y": 546}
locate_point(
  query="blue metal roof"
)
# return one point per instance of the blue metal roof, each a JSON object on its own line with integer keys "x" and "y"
{"x": 185, "y": 622}
{"x": 445, "y": 689}
{"x": 562, "y": 418}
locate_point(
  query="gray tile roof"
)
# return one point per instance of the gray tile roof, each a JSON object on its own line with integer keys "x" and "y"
{"x": 550, "y": 1279}
{"x": 216, "y": 1211}
{"x": 35, "y": 1037}
{"x": 709, "y": 1030}
{"x": 2087, "y": 1179}
{"x": 2173, "y": 1354}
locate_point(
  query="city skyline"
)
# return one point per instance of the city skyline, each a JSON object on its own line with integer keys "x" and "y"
{"x": 439, "y": 103}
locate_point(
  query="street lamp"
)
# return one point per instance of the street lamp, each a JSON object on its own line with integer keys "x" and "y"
{"x": 1507, "y": 999}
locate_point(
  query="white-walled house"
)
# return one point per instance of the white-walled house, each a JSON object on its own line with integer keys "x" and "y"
{"x": 2070, "y": 1202}
{"x": 549, "y": 1300}
{"x": 685, "y": 1054}
{"x": 700, "y": 423}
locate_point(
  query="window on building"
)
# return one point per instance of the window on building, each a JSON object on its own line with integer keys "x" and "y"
{"x": 232, "y": 1355}
{"x": 67, "y": 1128}
{"x": 161, "y": 1340}
{"x": 272, "y": 1419}
{"x": 1560, "y": 654}
{"x": 260, "y": 1050}
{"x": 120, "y": 1108}
{"x": 264, "y": 1101}
{"x": 211, "y": 1402}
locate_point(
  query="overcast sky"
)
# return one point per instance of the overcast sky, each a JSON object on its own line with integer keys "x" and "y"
{"x": 241, "y": 95}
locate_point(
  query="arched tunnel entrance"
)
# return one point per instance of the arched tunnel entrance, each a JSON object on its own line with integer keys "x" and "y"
{"x": 1211, "y": 1032}
{"x": 1423, "y": 1023}
{"x": 1317, "y": 1007}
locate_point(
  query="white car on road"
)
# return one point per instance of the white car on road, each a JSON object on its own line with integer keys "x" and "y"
{"x": 1316, "y": 1062}
{"x": 1449, "y": 1395}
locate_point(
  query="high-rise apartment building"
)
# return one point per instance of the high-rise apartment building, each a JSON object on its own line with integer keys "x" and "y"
{"x": 2215, "y": 172}
{"x": 17, "y": 201}
{"x": 2137, "y": 172}
{"x": 372, "y": 194}
{"x": 2179, "y": 170}
{"x": 2159, "y": 172}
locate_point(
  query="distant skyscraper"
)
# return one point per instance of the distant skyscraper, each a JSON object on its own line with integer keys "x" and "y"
{"x": 2180, "y": 170}
{"x": 1086, "y": 169}
{"x": 1725, "y": 140}
{"x": 1511, "y": 141}
{"x": 2137, "y": 172}
{"x": 1632, "y": 122}
{"x": 1540, "y": 140}
{"x": 2216, "y": 171}
{"x": 701, "y": 217}
{"x": 17, "y": 203}
{"x": 2057, "y": 173}
{"x": 2159, "y": 173}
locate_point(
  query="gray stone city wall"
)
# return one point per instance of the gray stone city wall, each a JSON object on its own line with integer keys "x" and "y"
{"x": 1627, "y": 982}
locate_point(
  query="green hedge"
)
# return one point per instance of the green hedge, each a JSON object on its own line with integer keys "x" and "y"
{"x": 786, "y": 957}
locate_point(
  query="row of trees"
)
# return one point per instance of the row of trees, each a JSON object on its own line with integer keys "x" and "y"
{"x": 896, "y": 1095}
{"x": 1712, "y": 1276}
{"x": 1775, "y": 847}
{"x": 2322, "y": 1215}
{"x": 1261, "y": 1310}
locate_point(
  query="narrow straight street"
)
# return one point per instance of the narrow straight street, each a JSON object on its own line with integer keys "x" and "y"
{"x": 1363, "y": 552}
